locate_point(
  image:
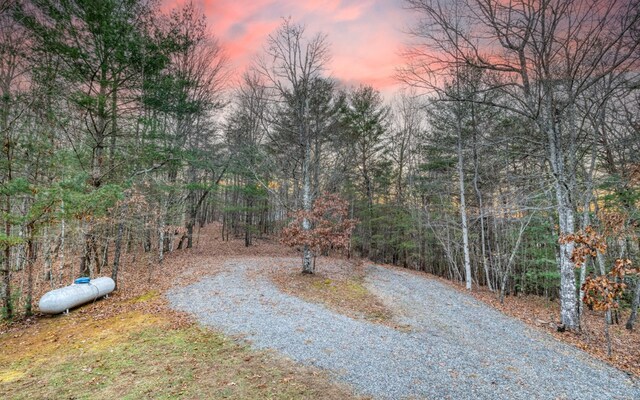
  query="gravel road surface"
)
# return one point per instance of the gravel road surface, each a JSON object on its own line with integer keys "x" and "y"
{"x": 458, "y": 347}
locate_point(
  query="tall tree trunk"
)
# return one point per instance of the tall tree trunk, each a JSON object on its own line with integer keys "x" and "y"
{"x": 305, "y": 139}
{"x": 147, "y": 237}
{"x": 5, "y": 288}
{"x": 367, "y": 245}
{"x": 31, "y": 259}
{"x": 568, "y": 311}
{"x": 307, "y": 256}
{"x": 586, "y": 221}
{"x": 118, "y": 245}
{"x": 476, "y": 187}
{"x": 114, "y": 125}
{"x": 162, "y": 231}
{"x": 97, "y": 159}
{"x": 463, "y": 209}
{"x": 85, "y": 258}
{"x": 563, "y": 184}
{"x": 5, "y": 264}
{"x": 248, "y": 221}
{"x": 635, "y": 303}
{"x": 63, "y": 233}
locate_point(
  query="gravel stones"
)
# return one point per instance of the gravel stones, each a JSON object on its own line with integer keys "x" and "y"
{"x": 457, "y": 348}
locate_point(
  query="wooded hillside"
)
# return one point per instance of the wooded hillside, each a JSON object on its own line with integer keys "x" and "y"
{"x": 125, "y": 129}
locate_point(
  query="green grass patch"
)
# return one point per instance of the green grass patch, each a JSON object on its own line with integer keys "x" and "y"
{"x": 138, "y": 356}
{"x": 347, "y": 295}
{"x": 150, "y": 295}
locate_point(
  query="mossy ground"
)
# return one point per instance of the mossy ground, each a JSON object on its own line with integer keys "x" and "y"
{"x": 342, "y": 289}
{"x": 350, "y": 294}
{"x": 135, "y": 355}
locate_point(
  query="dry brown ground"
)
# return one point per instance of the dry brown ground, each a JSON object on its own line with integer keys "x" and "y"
{"x": 544, "y": 314}
{"x": 140, "y": 272}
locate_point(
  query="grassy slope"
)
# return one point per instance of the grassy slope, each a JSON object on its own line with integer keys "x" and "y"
{"x": 136, "y": 354}
{"x": 132, "y": 346}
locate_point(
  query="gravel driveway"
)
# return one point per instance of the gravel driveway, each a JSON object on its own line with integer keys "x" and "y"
{"x": 458, "y": 348}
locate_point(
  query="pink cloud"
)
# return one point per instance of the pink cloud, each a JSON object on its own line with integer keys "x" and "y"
{"x": 245, "y": 45}
{"x": 365, "y": 36}
{"x": 350, "y": 13}
{"x": 323, "y": 5}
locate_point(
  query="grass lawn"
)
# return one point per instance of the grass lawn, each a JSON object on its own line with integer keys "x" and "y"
{"x": 135, "y": 354}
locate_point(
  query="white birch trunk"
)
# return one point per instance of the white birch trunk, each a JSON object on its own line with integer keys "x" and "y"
{"x": 62, "y": 243}
{"x": 307, "y": 264}
{"x": 463, "y": 211}
{"x": 566, "y": 219}
{"x": 307, "y": 256}
{"x": 568, "y": 304}
{"x": 586, "y": 221}
{"x": 161, "y": 231}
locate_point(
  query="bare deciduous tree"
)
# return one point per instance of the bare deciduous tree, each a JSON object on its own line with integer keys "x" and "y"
{"x": 544, "y": 56}
{"x": 291, "y": 65}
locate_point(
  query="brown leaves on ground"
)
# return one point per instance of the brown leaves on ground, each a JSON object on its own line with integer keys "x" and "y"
{"x": 141, "y": 273}
{"x": 544, "y": 314}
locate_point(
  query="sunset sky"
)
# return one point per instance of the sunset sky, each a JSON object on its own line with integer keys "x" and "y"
{"x": 366, "y": 36}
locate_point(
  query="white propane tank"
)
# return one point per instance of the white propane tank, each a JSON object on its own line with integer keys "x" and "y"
{"x": 60, "y": 300}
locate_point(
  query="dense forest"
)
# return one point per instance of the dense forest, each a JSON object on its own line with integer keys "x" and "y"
{"x": 514, "y": 142}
